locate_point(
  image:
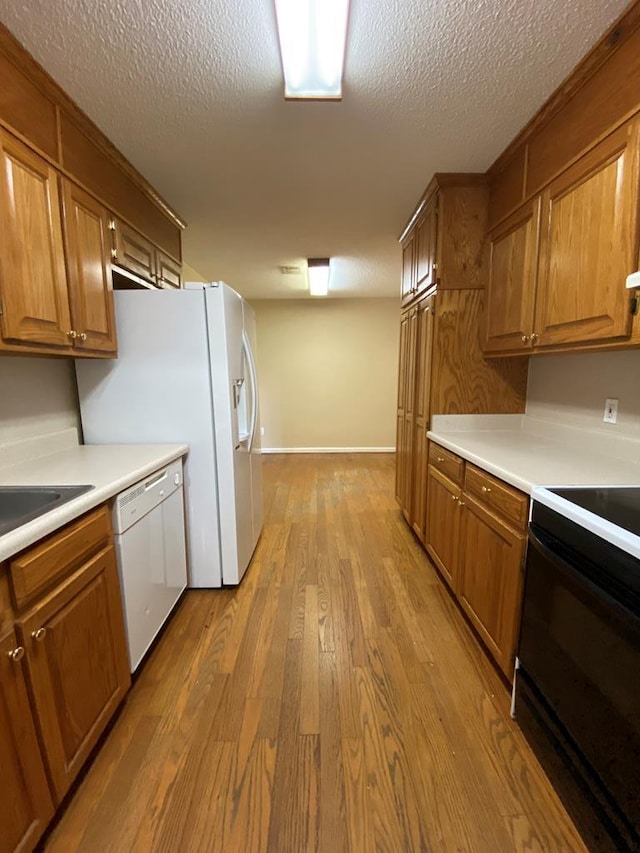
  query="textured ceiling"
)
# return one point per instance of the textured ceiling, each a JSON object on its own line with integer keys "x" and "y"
{"x": 191, "y": 92}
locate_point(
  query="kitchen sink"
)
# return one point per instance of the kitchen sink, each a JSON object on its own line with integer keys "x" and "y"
{"x": 20, "y": 504}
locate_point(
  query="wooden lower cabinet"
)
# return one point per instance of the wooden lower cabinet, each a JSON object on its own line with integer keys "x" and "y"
{"x": 490, "y": 572}
{"x": 443, "y": 524}
{"x": 64, "y": 669}
{"x": 25, "y": 801}
{"x": 77, "y": 664}
{"x": 476, "y": 536}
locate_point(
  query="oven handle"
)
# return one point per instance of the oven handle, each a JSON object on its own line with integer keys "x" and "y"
{"x": 567, "y": 569}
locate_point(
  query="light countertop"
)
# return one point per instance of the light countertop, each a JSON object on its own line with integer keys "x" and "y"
{"x": 111, "y": 468}
{"x": 528, "y": 453}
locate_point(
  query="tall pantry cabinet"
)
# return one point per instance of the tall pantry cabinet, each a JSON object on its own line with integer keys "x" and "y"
{"x": 442, "y": 370}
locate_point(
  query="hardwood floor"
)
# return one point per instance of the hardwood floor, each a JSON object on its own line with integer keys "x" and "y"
{"x": 336, "y": 701}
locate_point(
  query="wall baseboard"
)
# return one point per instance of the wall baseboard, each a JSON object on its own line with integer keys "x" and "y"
{"x": 328, "y": 450}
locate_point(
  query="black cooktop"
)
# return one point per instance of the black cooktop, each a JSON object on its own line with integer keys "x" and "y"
{"x": 620, "y": 505}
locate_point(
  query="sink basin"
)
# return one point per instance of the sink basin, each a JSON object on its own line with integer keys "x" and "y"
{"x": 20, "y": 504}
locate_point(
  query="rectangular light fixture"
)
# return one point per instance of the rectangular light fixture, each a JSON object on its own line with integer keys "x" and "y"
{"x": 318, "y": 276}
{"x": 313, "y": 36}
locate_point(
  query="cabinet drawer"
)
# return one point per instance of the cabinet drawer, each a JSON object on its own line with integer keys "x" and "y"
{"x": 447, "y": 462}
{"x": 498, "y": 496}
{"x": 35, "y": 570}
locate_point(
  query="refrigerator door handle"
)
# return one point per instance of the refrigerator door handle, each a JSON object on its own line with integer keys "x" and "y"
{"x": 254, "y": 389}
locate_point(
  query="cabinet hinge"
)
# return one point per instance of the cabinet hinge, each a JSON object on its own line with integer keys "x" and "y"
{"x": 1, "y": 308}
{"x": 112, "y": 225}
{"x": 634, "y": 305}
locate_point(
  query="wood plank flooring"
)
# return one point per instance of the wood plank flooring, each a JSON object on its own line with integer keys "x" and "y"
{"x": 336, "y": 701}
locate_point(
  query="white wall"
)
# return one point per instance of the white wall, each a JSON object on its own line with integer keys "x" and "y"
{"x": 571, "y": 389}
{"x": 37, "y": 396}
{"x": 328, "y": 372}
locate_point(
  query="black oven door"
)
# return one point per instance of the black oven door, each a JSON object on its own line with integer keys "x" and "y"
{"x": 579, "y": 652}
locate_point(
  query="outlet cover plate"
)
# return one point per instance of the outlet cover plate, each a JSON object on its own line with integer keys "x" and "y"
{"x": 610, "y": 411}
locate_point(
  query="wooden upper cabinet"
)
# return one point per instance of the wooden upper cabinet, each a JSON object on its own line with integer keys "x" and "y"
{"x": 589, "y": 244}
{"x": 513, "y": 261}
{"x": 425, "y": 246}
{"x": 168, "y": 271}
{"x": 133, "y": 251}
{"x": 77, "y": 664}
{"x": 25, "y": 803}
{"x": 408, "y": 284}
{"x": 88, "y": 244}
{"x": 33, "y": 283}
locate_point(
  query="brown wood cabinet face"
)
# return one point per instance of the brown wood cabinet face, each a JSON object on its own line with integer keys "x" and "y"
{"x": 169, "y": 272}
{"x": 78, "y": 670}
{"x": 589, "y": 244}
{"x": 86, "y": 228}
{"x": 25, "y": 802}
{"x": 408, "y": 283}
{"x": 424, "y": 349}
{"x": 33, "y": 282}
{"x": 490, "y": 579}
{"x": 513, "y": 263}
{"x": 133, "y": 251}
{"x": 499, "y": 497}
{"x": 425, "y": 246}
{"x": 443, "y": 524}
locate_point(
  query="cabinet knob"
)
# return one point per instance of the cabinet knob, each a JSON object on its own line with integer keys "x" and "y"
{"x": 440, "y": 458}
{"x": 39, "y": 635}
{"x": 114, "y": 254}
{"x": 82, "y": 336}
{"x": 525, "y": 338}
{"x": 16, "y": 655}
{"x": 460, "y": 503}
{"x": 71, "y": 334}
{"x": 486, "y": 489}
{"x": 533, "y": 338}
{"x": 454, "y": 498}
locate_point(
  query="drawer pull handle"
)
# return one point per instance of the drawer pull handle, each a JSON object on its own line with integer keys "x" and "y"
{"x": 486, "y": 489}
{"x": 16, "y": 655}
{"x": 39, "y": 635}
{"x": 440, "y": 458}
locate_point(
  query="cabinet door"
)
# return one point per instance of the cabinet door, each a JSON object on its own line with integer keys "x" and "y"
{"x": 86, "y": 227}
{"x": 33, "y": 283}
{"x": 424, "y": 350}
{"x": 589, "y": 244}
{"x": 511, "y": 292}
{"x": 490, "y": 579}
{"x": 77, "y": 664}
{"x": 25, "y": 802}
{"x": 408, "y": 285}
{"x": 133, "y": 251}
{"x": 168, "y": 271}
{"x": 443, "y": 524}
{"x": 425, "y": 248}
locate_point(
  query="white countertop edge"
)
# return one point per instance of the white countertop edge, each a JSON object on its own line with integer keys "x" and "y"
{"x": 28, "y": 534}
{"x": 618, "y": 536}
{"x": 482, "y": 462}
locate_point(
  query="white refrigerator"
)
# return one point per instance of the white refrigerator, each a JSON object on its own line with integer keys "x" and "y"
{"x": 186, "y": 372}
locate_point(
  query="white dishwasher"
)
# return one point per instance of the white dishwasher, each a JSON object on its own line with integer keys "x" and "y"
{"x": 148, "y": 523}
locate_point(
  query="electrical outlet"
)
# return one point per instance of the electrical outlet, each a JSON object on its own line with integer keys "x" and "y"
{"x": 610, "y": 411}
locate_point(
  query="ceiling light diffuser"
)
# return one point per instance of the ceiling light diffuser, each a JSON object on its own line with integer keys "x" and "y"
{"x": 318, "y": 276}
{"x": 312, "y": 37}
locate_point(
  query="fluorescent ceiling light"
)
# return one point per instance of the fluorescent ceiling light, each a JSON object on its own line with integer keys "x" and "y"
{"x": 312, "y": 35}
{"x": 318, "y": 276}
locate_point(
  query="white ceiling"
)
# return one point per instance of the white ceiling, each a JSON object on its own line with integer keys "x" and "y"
{"x": 191, "y": 92}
